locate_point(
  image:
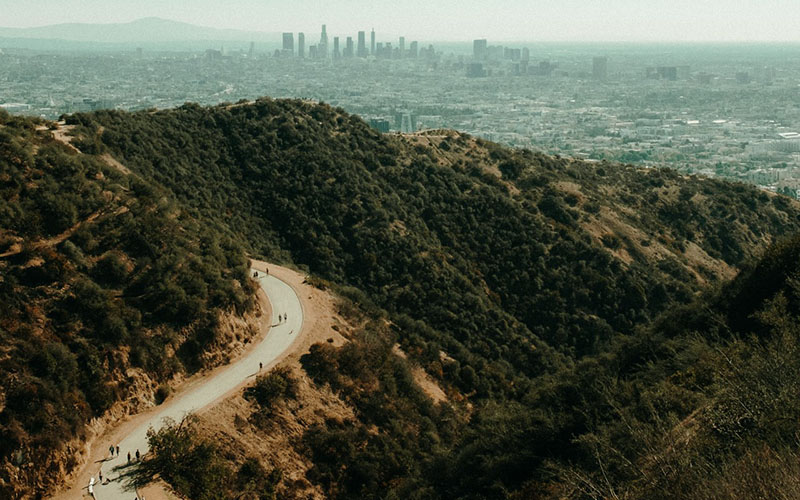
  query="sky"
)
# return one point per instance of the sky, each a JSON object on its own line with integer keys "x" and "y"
{"x": 448, "y": 20}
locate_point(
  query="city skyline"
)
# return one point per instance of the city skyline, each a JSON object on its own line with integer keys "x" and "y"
{"x": 447, "y": 20}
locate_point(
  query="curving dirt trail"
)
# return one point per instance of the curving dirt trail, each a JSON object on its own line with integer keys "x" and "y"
{"x": 277, "y": 343}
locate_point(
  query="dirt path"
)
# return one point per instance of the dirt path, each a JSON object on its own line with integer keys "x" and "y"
{"x": 16, "y": 249}
{"x": 61, "y": 134}
{"x": 275, "y": 342}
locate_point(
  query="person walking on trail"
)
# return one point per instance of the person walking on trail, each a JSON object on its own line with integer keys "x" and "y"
{"x": 137, "y": 455}
{"x": 111, "y": 450}
{"x": 100, "y": 475}
{"x": 117, "y": 450}
{"x": 129, "y": 457}
{"x": 260, "y": 365}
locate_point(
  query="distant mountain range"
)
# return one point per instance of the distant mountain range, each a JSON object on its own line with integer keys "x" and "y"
{"x": 147, "y": 31}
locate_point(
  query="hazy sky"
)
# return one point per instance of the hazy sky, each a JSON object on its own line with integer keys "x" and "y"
{"x": 501, "y": 20}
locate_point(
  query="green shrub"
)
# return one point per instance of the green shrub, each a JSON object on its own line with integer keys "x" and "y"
{"x": 272, "y": 387}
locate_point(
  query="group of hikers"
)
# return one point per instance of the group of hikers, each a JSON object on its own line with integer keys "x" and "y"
{"x": 113, "y": 451}
{"x": 281, "y": 319}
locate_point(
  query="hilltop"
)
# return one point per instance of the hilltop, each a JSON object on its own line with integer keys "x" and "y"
{"x": 546, "y": 299}
{"x": 538, "y": 247}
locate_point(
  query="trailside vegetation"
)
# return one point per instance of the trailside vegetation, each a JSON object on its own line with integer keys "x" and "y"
{"x": 105, "y": 284}
{"x": 196, "y": 468}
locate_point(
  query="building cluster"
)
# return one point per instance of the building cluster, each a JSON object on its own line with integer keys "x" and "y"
{"x": 486, "y": 57}
{"x": 335, "y": 48}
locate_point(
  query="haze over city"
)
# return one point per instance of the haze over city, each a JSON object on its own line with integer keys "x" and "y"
{"x": 450, "y": 20}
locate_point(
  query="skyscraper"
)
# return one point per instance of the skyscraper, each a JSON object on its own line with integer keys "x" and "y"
{"x": 336, "y": 53}
{"x": 480, "y": 50}
{"x": 413, "y": 50}
{"x": 407, "y": 122}
{"x": 372, "y": 42}
{"x": 362, "y": 44}
{"x": 301, "y": 45}
{"x": 600, "y": 68}
{"x": 288, "y": 44}
{"x": 322, "y": 47}
{"x": 348, "y": 48}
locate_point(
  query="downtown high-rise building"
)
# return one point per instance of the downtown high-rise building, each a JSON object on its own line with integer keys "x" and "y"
{"x": 322, "y": 47}
{"x": 362, "y": 45}
{"x": 413, "y": 50}
{"x": 288, "y": 44}
{"x": 372, "y": 42}
{"x": 336, "y": 53}
{"x": 348, "y": 48}
{"x": 480, "y": 50}
{"x": 301, "y": 45}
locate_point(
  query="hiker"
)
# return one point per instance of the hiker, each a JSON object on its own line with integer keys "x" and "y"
{"x": 260, "y": 365}
{"x": 129, "y": 457}
{"x": 117, "y": 450}
{"x": 111, "y": 450}
{"x": 137, "y": 455}
{"x": 100, "y": 475}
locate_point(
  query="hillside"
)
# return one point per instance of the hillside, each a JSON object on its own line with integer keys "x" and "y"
{"x": 108, "y": 291}
{"x": 538, "y": 247}
{"x": 510, "y": 277}
{"x": 568, "y": 313}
